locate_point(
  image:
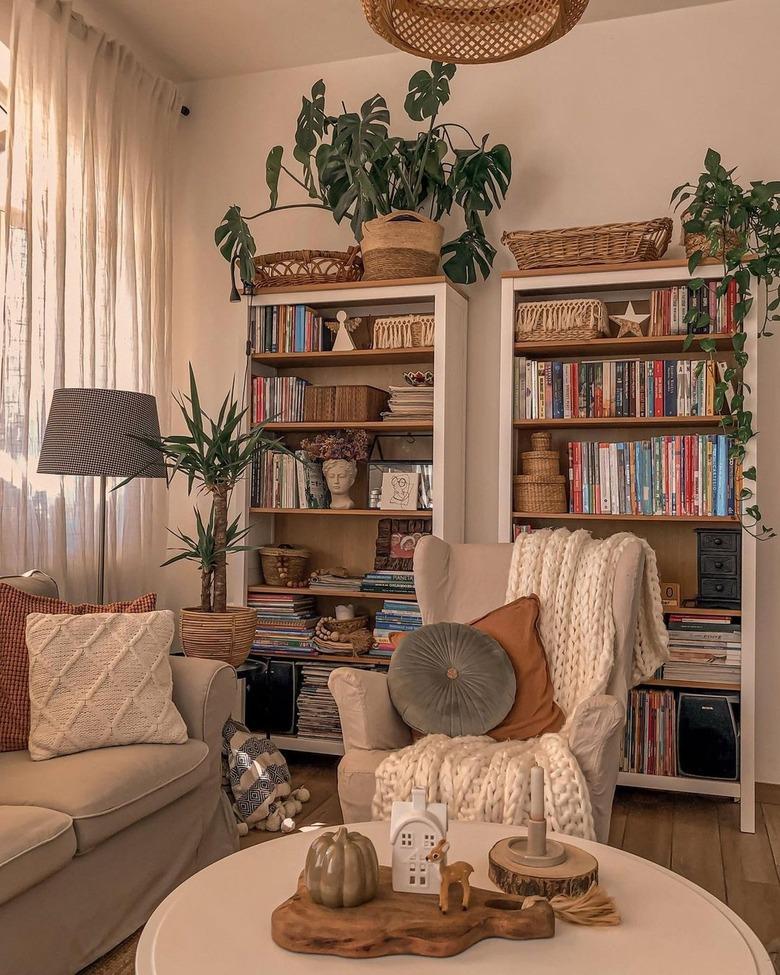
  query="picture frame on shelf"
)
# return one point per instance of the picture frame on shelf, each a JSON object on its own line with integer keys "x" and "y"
{"x": 396, "y": 541}
{"x": 400, "y": 490}
{"x": 422, "y": 500}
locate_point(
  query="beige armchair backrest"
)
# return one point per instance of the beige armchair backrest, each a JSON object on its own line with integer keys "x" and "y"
{"x": 462, "y": 582}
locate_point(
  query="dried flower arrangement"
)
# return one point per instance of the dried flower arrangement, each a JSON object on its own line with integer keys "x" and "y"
{"x": 339, "y": 445}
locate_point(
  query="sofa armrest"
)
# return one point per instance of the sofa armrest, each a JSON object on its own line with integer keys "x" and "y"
{"x": 368, "y": 718}
{"x": 204, "y": 691}
{"x": 595, "y": 734}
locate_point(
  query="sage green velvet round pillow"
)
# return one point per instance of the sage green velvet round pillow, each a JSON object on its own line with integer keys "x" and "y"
{"x": 451, "y": 679}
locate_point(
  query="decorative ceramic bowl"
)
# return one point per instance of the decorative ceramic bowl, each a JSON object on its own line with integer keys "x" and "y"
{"x": 419, "y": 378}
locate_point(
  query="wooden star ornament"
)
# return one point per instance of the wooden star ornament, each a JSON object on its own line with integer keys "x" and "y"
{"x": 629, "y": 323}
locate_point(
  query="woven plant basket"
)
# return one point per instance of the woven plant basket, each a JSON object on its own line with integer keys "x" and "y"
{"x": 403, "y": 244}
{"x": 611, "y": 243}
{"x": 219, "y": 636}
{"x": 285, "y": 565}
{"x": 570, "y": 318}
{"x": 403, "y": 331}
{"x": 539, "y": 493}
{"x": 542, "y": 459}
{"x": 701, "y": 242}
{"x": 307, "y": 267}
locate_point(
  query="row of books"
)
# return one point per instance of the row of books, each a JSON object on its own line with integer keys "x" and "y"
{"x": 650, "y": 743}
{"x": 388, "y": 580}
{"x": 318, "y": 715}
{"x": 287, "y": 481}
{"x": 395, "y": 616}
{"x": 285, "y": 623}
{"x": 614, "y": 388}
{"x": 665, "y": 475}
{"x": 670, "y": 306}
{"x": 703, "y": 648}
{"x": 288, "y": 328}
{"x": 278, "y": 399}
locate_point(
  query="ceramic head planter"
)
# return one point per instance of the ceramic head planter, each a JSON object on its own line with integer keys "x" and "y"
{"x": 341, "y": 869}
{"x": 339, "y": 452}
{"x": 340, "y": 475}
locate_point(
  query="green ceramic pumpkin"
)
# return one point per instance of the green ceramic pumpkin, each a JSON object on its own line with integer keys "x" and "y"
{"x": 342, "y": 869}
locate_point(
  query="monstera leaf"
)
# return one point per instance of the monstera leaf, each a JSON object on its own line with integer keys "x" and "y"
{"x": 358, "y": 135}
{"x": 309, "y": 129}
{"x": 481, "y": 177}
{"x": 237, "y": 245}
{"x": 273, "y": 169}
{"x": 469, "y": 252}
{"x": 428, "y": 91}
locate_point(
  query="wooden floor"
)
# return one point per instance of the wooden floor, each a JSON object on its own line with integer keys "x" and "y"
{"x": 697, "y": 837}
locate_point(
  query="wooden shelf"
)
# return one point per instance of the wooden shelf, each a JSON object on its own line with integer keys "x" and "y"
{"x": 614, "y": 346}
{"x": 355, "y": 357}
{"x": 346, "y": 593}
{"x": 315, "y": 746}
{"x": 346, "y": 513}
{"x": 362, "y": 285}
{"x": 704, "y": 685}
{"x": 678, "y": 783}
{"x": 321, "y": 658}
{"x": 577, "y": 516}
{"x": 701, "y": 611}
{"x": 615, "y": 422}
{"x": 388, "y": 426}
{"x": 674, "y": 263}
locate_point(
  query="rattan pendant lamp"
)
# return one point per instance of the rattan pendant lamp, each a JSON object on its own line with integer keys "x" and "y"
{"x": 472, "y": 31}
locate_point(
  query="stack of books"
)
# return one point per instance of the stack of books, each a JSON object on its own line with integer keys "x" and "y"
{"x": 395, "y": 616}
{"x": 278, "y": 399}
{"x": 669, "y": 306}
{"x": 388, "y": 580}
{"x": 650, "y": 744}
{"x": 703, "y": 648}
{"x": 342, "y": 583}
{"x": 614, "y": 388}
{"x": 285, "y": 624}
{"x": 288, "y": 328}
{"x": 667, "y": 475}
{"x": 318, "y": 715}
{"x": 410, "y": 403}
{"x": 286, "y": 481}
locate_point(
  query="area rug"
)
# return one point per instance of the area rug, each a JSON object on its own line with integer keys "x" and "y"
{"x": 119, "y": 961}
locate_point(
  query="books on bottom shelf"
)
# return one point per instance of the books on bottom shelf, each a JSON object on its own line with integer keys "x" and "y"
{"x": 395, "y": 616}
{"x": 705, "y": 648}
{"x": 287, "y": 481}
{"x": 650, "y": 742}
{"x": 285, "y": 624}
{"x": 318, "y": 715}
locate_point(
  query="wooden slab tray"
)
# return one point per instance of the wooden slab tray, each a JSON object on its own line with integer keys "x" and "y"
{"x": 405, "y": 924}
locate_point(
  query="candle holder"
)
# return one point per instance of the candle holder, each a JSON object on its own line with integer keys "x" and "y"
{"x": 535, "y": 850}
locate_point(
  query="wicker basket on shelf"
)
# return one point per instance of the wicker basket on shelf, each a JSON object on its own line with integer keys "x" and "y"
{"x": 541, "y": 459}
{"x": 403, "y": 331}
{"x": 285, "y": 565}
{"x": 539, "y": 493}
{"x": 612, "y": 243}
{"x": 299, "y": 268}
{"x": 701, "y": 242}
{"x": 568, "y": 318}
{"x": 402, "y": 244}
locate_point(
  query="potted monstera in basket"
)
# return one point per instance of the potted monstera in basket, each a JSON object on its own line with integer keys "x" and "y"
{"x": 392, "y": 190}
{"x": 213, "y": 455}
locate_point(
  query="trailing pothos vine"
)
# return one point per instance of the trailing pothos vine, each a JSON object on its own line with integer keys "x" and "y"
{"x": 744, "y": 226}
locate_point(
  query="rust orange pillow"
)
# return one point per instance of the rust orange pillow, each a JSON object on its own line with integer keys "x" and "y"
{"x": 534, "y": 711}
{"x": 14, "y": 665}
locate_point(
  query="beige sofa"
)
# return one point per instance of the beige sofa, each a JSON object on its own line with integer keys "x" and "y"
{"x": 91, "y": 843}
{"x": 461, "y": 583}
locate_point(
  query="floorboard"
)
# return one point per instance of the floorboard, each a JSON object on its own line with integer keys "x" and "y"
{"x": 648, "y": 829}
{"x": 695, "y": 835}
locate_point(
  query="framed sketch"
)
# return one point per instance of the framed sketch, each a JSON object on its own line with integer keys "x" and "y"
{"x": 396, "y": 541}
{"x": 424, "y": 469}
{"x": 400, "y": 490}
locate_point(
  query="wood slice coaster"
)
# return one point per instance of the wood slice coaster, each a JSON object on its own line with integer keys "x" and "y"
{"x": 405, "y": 924}
{"x": 573, "y": 877}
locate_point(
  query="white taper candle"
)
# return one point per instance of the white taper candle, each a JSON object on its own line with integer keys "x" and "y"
{"x": 537, "y": 792}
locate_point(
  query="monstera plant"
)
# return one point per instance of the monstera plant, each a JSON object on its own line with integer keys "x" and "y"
{"x": 352, "y": 165}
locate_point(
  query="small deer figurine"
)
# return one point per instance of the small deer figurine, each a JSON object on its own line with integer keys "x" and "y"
{"x": 454, "y": 873}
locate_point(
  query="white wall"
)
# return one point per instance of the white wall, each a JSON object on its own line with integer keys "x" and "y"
{"x": 602, "y": 125}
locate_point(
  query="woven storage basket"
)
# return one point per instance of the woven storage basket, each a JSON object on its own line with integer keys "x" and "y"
{"x": 307, "y": 267}
{"x": 219, "y": 636}
{"x": 612, "y": 243}
{"x": 284, "y": 565}
{"x": 403, "y": 244}
{"x": 701, "y": 242}
{"x": 569, "y": 318}
{"x": 539, "y": 493}
{"x": 403, "y": 331}
{"x": 541, "y": 459}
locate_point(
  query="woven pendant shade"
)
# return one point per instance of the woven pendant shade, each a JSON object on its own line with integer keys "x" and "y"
{"x": 460, "y": 32}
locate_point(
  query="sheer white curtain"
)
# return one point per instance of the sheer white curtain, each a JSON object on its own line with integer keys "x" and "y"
{"x": 87, "y": 286}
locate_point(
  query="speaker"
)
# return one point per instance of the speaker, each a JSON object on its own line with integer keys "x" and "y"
{"x": 251, "y": 694}
{"x": 281, "y": 691}
{"x": 708, "y": 736}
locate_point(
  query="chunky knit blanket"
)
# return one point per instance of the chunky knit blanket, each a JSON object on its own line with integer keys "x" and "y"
{"x": 480, "y": 779}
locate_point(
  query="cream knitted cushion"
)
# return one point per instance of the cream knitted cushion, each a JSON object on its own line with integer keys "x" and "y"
{"x": 100, "y": 680}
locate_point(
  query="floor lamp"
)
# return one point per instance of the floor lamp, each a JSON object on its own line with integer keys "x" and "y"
{"x": 92, "y": 433}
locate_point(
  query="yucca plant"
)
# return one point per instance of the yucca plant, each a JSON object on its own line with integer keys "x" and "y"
{"x": 213, "y": 455}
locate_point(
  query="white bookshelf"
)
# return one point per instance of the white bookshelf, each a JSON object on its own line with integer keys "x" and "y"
{"x": 676, "y": 551}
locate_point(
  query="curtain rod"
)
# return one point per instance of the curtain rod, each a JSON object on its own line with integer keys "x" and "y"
{"x": 79, "y": 26}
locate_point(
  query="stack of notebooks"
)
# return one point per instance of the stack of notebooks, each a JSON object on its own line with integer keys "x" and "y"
{"x": 669, "y": 307}
{"x": 286, "y": 481}
{"x": 410, "y": 403}
{"x": 703, "y": 648}
{"x": 388, "y": 580}
{"x": 288, "y": 328}
{"x": 278, "y": 399}
{"x": 343, "y": 584}
{"x": 395, "y": 616}
{"x": 285, "y": 624}
{"x": 318, "y": 716}
{"x": 650, "y": 744}
{"x": 668, "y": 475}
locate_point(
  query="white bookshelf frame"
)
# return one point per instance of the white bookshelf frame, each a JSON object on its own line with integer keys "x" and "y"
{"x": 617, "y": 281}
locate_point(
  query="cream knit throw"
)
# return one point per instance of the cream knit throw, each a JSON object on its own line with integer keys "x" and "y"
{"x": 481, "y": 779}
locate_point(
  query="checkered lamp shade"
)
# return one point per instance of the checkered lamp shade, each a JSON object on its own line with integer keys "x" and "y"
{"x": 90, "y": 432}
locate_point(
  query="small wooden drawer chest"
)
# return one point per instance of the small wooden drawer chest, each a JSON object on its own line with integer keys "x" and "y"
{"x": 719, "y": 567}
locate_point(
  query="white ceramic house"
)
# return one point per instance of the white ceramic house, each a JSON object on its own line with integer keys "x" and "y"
{"x": 416, "y": 827}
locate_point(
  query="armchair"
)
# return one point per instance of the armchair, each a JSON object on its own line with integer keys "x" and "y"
{"x": 461, "y": 583}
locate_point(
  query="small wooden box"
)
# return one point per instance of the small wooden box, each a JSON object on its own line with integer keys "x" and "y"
{"x": 319, "y": 404}
{"x": 359, "y": 403}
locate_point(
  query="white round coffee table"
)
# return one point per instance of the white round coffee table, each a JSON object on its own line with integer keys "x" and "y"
{"x": 219, "y": 921}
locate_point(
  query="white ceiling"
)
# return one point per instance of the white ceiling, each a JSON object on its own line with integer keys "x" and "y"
{"x": 188, "y": 40}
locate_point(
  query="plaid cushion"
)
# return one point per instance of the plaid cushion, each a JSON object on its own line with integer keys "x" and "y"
{"x": 14, "y": 665}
